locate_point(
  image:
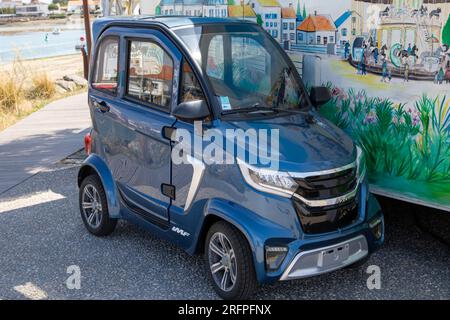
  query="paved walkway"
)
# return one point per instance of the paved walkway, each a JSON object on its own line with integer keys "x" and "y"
{"x": 41, "y": 139}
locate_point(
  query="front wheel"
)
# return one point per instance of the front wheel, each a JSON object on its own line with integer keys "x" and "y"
{"x": 230, "y": 262}
{"x": 94, "y": 207}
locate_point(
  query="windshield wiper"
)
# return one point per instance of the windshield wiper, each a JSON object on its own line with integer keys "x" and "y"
{"x": 254, "y": 108}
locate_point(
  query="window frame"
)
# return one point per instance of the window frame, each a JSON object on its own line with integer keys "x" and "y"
{"x": 95, "y": 69}
{"x": 126, "y": 95}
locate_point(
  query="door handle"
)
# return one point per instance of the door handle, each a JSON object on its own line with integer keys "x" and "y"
{"x": 102, "y": 106}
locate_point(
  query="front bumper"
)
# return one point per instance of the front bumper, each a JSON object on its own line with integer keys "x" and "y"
{"x": 326, "y": 259}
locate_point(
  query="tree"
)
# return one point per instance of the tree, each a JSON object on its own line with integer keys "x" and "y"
{"x": 304, "y": 12}
{"x": 61, "y": 2}
{"x": 52, "y": 7}
{"x": 299, "y": 12}
{"x": 446, "y": 32}
{"x": 231, "y": 3}
{"x": 259, "y": 20}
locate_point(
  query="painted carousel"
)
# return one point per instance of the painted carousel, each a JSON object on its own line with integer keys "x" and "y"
{"x": 405, "y": 37}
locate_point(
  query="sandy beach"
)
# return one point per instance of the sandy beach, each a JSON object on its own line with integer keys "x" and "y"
{"x": 55, "y": 67}
{"x": 42, "y": 25}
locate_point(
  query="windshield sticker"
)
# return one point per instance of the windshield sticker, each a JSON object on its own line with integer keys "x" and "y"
{"x": 225, "y": 102}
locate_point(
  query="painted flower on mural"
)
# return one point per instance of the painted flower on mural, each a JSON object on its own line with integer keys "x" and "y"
{"x": 409, "y": 142}
{"x": 370, "y": 118}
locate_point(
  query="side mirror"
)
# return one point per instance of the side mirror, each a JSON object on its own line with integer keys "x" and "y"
{"x": 192, "y": 110}
{"x": 320, "y": 96}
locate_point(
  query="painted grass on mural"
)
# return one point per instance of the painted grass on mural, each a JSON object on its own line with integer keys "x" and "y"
{"x": 404, "y": 144}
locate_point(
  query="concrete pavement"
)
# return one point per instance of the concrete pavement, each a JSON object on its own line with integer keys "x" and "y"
{"x": 42, "y": 237}
{"x": 41, "y": 139}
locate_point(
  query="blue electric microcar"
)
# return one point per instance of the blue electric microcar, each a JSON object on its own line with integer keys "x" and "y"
{"x": 152, "y": 78}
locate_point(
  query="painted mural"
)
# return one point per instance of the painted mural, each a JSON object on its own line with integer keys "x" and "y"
{"x": 387, "y": 63}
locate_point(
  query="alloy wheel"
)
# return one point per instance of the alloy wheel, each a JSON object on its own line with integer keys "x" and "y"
{"x": 222, "y": 261}
{"x": 92, "y": 206}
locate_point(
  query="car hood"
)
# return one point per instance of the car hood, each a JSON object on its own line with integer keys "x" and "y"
{"x": 304, "y": 145}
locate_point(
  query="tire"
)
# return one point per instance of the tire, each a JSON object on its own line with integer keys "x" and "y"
{"x": 94, "y": 207}
{"x": 240, "y": 264}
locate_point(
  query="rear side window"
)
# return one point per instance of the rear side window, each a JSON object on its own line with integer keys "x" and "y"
{"x": 150, "y": 74}
{"x": 105, "y": 76}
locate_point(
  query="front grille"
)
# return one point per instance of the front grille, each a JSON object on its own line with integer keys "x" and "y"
{"x": 327, "y": 186}
{"x": 331, "y": 218}
{"x": 327, "y": 219}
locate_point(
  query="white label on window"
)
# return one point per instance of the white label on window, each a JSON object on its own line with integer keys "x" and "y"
{"x": 225, "y": 102}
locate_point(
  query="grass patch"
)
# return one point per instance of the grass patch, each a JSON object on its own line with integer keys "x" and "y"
{"x": 42, "y": 87}
{"x": 23, "y": 92}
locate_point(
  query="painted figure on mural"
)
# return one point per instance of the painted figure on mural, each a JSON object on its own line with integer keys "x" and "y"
{"x": 406, "y": 73}
{"x": 384, "y": 68}
{"x": 364, "y": 63}
{"x": 375, "y": 53}
{"x": 447, "y": 73}
{"x": 346, "y": 49}
{"x": 440, "y": 75}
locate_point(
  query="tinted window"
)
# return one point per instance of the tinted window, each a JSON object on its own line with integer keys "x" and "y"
{"x": 190, "y": 87}
{"x": 150, "y": 73}
{"x": 105, "y": 75}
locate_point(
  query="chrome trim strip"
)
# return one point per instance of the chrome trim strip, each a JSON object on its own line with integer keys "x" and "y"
{"x": 328, "y": 202}
{"x": 288, "y": 194}
{"x": 333, "y": 201}
{"x": 314, "y": 256}
{"x": 302, "y": 175}
{"x": 199, "y": 169}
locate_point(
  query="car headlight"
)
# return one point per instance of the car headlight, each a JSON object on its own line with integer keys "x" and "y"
{"x": 360, "y": 164}
{"x": 275, "y": 182}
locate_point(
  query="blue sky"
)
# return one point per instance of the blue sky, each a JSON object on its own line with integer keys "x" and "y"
{"x": 334, "y": 8}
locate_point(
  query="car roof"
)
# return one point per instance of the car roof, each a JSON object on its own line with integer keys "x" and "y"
{"x": 167, "y": 21}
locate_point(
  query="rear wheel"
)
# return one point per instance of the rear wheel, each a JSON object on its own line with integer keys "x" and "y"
{"x": 94, "y": 207}
{"x": 230, "y": 262}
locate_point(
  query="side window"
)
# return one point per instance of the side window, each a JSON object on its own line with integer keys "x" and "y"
{"x": 190, "y": 88}
{"x": 105, "y": 75}
{"x": 150, "y": 73}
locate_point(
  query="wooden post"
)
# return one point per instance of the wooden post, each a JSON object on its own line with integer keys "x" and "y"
{"x": 87, "y": 27}
{"x": 85, "y": 62}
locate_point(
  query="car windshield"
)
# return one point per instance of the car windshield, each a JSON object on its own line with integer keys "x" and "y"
{"x": 247, "y": 70}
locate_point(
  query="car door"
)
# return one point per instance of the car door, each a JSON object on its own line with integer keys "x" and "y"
{"x": 187, "y": 175}
{"x": 136, "y": 151}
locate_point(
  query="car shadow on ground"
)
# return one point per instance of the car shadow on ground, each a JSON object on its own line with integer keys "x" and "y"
{"x": 21, "y": 158}
{"x": 42, "y": 234}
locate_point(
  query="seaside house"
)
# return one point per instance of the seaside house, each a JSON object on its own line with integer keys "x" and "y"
{"x": 215, "y": 8}
{"x": 270, "y": 12}
{"x": 242, "y": 12}
{"x": 288, "y": 25}
{"x": 33, "y": 9}
{"x": 317, "y": 30}
{"x": 10, "y": 4}
{"x": 344, "y": 28}
{"x": 181, "y": 7}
